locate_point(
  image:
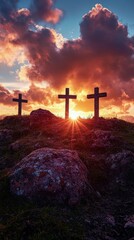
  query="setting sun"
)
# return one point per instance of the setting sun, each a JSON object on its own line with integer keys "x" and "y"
{"x": 74, "y": 115}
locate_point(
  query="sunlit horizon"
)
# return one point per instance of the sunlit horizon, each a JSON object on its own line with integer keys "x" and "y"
{"x": 40, "y": 57}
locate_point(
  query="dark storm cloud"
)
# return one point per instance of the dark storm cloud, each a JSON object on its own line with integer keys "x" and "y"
{"x": 12, "y": 20}
{"x": 101, "y": 31}
{"x": 103, "y": 55}
{"x": 18, "y": 27}
{"x": 19, "y": 21}
{"x": 40, "y": 10}
{"x": 43, "y": 10}
{"x": 104, "y": 47}
{"x": 7, "y": 8}
{"x": 40, "y": 47}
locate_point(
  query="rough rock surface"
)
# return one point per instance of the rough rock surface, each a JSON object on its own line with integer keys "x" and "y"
{"x": 129, "y": 222}
{"x": 41, "y": 113}
{"x": 15, "y": 120}
{"x": 122, "y": 166}
{"x": 55, "y": 174}
{"x": 6, "y": 136}
{"x": 40, "y": 116}
{"x": 15, "y": 146}
{"x": 100, "y": 138}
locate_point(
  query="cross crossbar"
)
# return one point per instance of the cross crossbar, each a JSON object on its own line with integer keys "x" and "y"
{"x": 20, "y": 101}
{"x": 96, "y": 97}
{"x": 67, "y": 97}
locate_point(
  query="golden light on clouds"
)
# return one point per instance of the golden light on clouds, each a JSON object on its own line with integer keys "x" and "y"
{"x": 44, "y": 63}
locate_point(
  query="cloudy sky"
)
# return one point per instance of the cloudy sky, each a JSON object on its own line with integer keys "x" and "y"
{"x": 46, "y": 46}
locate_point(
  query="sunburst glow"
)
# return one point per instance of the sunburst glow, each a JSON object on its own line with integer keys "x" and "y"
{"x": 74, "y": 115}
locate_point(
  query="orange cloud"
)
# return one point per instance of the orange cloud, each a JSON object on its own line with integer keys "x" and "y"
{"x": 102, "y": 56}
{"x": 35, "y": 95}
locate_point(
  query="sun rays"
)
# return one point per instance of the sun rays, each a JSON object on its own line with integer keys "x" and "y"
{"x": 74, "y": 115}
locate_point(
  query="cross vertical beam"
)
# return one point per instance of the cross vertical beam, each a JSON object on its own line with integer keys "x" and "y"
{"x": 67, "y": 104}
{"x": 20, "y": 101}
{"x": 67, "y": 97}
{"x": 96, "y": 103}
{"x": 96, "y": 97}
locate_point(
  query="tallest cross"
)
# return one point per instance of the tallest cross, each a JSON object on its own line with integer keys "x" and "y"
{"x": 67, "y": 97}
{"x": 96, "y": 97}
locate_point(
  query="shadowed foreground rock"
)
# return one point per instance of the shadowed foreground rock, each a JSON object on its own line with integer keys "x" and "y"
{"x": 122, "y": 166}
{"x": 54, "y": 174}
{"x": 6, "y": 136}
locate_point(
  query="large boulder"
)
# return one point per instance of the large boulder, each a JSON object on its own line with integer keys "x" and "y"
{"x": 40, "y": 117}
{"x": 53, "y": 174}
{"x": 41, "y": 113}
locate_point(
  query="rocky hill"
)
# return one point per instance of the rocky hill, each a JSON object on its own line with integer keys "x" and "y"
{"x": 64, "y": 179}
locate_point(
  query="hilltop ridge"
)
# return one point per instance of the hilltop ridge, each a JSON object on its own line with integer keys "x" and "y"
{"x": 106, "y": 148}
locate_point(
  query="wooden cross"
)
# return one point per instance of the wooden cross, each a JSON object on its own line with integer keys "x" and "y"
{"x": 67, "y": 97}
{"x": 96, "y": 97}
{"x": 20, "y": 101}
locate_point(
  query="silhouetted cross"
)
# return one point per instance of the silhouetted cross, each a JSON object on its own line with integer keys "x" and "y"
{"x": 67, "y": 97}
{"x": 96, "y": 97}
{"x": 20, "y": 101}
